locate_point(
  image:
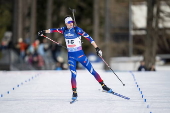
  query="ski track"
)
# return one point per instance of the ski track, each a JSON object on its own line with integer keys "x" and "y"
{"x": 50, "y": 92}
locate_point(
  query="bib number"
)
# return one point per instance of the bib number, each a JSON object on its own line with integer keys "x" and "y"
{"x": 70, "y": 41}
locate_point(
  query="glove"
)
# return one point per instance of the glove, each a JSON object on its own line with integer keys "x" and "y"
{"x": 40, "y": 33}
{"x": 98, "y": 51}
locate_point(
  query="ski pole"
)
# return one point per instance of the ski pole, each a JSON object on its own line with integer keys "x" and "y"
{"x": 73, "y": 10}
{"x": 111, "y": 69}
{"x": 54, "y": 41}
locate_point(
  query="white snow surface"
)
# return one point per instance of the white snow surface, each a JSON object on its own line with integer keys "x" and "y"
{"x": 50, "y": 92}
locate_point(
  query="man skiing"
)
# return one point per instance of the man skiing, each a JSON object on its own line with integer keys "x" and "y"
{"x": 72, "y": 35}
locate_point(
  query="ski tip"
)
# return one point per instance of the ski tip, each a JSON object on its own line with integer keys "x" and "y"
{"x": 73, "y": 101}
{"x": 123, "y": 84}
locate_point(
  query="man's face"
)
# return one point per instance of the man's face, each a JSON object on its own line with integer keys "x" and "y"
{"x": 142, "y": 63}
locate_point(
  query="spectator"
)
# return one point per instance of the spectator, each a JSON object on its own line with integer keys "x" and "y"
{"x": 37, "y": 61}
{"x": 58, "y": 66}
{"x": 22, "y": 46}
{"x": 56, "y": 51}
{"x": 42, "y": 49}
{"x": 152, "y": 68}
{"x": 29, "y": 58}
{"x": 34, "y": 46}
{"x": 142, "y": 66}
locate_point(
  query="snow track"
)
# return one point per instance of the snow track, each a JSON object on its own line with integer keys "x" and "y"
{"x": 50, "y": 92}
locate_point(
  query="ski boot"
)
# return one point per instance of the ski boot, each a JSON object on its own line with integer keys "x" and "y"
{"x": 109, "y": 90}
{"x": 74, "y": 96}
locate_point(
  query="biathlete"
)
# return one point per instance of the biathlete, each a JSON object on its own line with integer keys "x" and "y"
{"x": 72, "y": 35}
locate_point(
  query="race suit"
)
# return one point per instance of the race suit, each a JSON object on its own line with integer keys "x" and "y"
{"x": 75, "y": 53}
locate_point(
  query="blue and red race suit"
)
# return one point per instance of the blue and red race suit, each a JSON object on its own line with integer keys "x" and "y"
{"x": 75, "y": 53}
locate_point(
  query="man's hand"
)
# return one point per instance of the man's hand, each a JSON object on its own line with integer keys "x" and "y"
{"x": 98, "y": 51}
{"x": 40, "y": 33}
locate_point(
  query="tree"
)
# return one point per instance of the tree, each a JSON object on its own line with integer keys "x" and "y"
{"x": 26, "y": 18}
{"x": 107, "y": 32}
{"x": 33, "y": 20}
{"x": 49, "y": 15}
{"x": 5, "y": 16}
{"x": 164, "y": 40}
{"x": 96, "y": 21}
{"x": 18, "y": 20}
{"x": 152, "y": 32}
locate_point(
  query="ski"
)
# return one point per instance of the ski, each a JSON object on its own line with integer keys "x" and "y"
{"x": 73, "y": 101}
{"x": 117, "y": 94}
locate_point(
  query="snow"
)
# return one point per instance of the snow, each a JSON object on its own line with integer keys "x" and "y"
{"x": 50, "y": 92}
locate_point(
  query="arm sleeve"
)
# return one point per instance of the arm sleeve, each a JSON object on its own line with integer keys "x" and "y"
{"x": 59, "y": 30}
{"x": 84, "y": 34}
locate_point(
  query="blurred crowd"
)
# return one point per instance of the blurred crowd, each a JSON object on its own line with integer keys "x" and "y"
{"x": 41, "y": 54}
{"x": 38, "y": 54}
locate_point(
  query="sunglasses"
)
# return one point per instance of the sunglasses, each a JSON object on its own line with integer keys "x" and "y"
{"x": 69, "y": 22}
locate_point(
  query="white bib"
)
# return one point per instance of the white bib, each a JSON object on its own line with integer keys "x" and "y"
{"x": 74, "y": 44}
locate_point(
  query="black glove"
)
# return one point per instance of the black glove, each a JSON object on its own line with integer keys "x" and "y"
{"x": 40, "y": 33}
{"x": 98, "y": 51}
